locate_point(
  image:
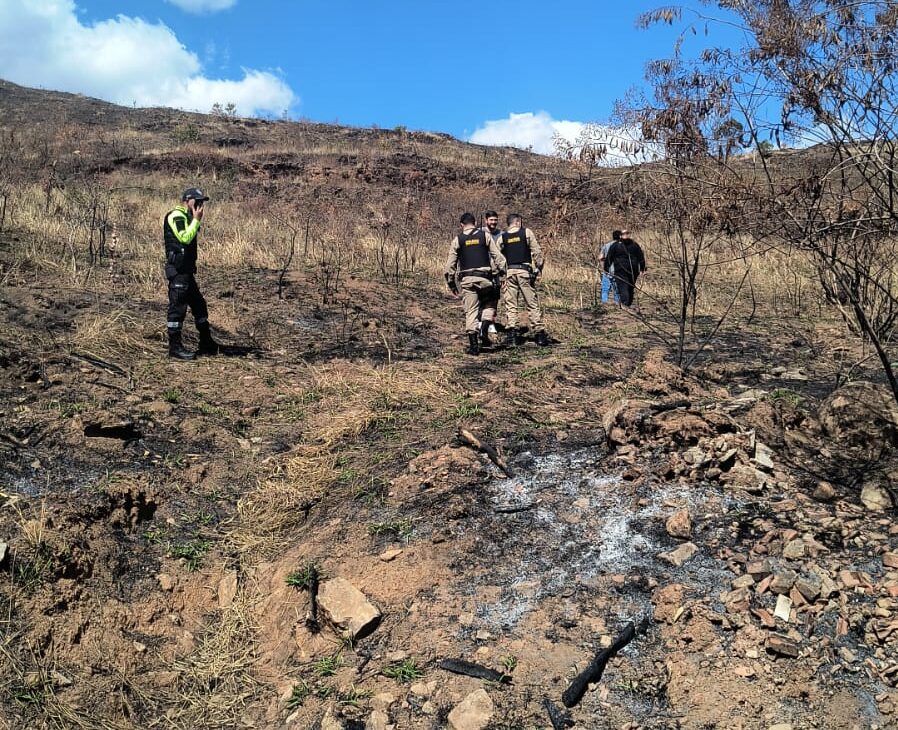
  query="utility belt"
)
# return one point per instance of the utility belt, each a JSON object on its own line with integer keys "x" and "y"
{"x": 525, "y": 267}
{"x": 480, "y": 273}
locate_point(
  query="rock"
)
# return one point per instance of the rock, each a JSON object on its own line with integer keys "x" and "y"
{"x": 668, "y": 601}
{"x": 677, "y": 557}
{"x": 889, "y": 560}
{"x": 728, "y": 460}
{"x": 783, "y": 608}
{"x": 782, "y": 582}
{"x": 679, "y": 524}
{"x": 158, "y": 408}
{"x": 377, "y": 720}
{"x": 347, "y": 608}
{"x": 809, "y": 587}
{"x": 746, "y": 477}
{"x": 227, "y": 589}
{"x": 329, "y": 722}
{"x": 59, "y": 679}
{"x": 875, "y": 498}
{"x": 744, "y": 672}
{"x": 759, "y": 569}
{"x": 763, "y": 456}
{"x": 743, "y": 581}
{"x": 166, "y": 582}
{"x": 474, "y": 712}
{"x": 781, "y": 726}
{"x": 824, "y": 492}
{"x": 390, "y": 555}
{"x": 861, "y": 414}
{"x": 781, "y": 645}
{"x": 794, "y": 550}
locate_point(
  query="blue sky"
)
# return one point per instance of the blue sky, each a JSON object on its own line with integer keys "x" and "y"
{"x": 486, "y": 69}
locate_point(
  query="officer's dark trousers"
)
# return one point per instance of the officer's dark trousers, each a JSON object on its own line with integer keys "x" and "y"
{"x": 626, "y": 283}
{"x": 183, "y": 292}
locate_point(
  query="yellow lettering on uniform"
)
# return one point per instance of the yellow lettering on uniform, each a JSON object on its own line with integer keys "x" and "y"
{"x": 514, "y": 240}
{"x": 473, "y": 242}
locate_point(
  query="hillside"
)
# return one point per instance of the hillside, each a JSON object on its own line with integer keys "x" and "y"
{"x": 295, "y": 534}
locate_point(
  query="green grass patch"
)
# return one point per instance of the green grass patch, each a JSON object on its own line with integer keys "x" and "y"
{"x": 303, "y": 577}
{"x": 328, "y": 666}
{"x": 404, "y": 671}
{"x": 403, "y": 529}
{"x": 191, "y": 553}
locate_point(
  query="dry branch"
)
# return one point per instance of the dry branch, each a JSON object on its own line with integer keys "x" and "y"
{"x": 470, "y": 439}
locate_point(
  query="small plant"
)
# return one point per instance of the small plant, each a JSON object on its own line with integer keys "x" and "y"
{"x": 199, "y": 517}
{"x": 465, "y": 408}
{"x": 327, "y": 666}
{"x": 156, "y": 535}
{"x": 303, "y": 577}
{"x": 298, "y": 695}
{"x": 784, "y": 394}
{"x": 191, "y": 552}
{"x": 405, "y": 671}
{"x": 352, "y": 697}
{"x": 509, "y": 664}
{"x": 403, "y": 529}
{"x": 171, "y": 395}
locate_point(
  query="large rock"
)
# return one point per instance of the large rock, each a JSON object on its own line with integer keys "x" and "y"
{"x": 347, "y": 608}
{"x": 875, "y": 497}
{"x": 679, "y": 524}
{"x": 682, "y": 554}
{"x": 861, "y": 415}
{"x": 474, "y": 712}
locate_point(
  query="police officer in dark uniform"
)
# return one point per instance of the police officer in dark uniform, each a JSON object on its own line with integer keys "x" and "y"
{"x": 474, "y": 257}
{"x": 180, "y": 228}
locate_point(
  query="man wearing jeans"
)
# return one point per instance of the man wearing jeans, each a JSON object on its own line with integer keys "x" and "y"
{"x": 609, "y": 290}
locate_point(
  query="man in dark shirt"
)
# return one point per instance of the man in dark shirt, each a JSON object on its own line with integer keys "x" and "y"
{"x": 628, "y": 261}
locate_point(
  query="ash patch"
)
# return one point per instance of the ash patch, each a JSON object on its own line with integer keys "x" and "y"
{"x": 567, "y": 524}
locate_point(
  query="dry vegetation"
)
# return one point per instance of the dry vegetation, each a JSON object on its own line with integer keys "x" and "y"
{"x": 321, "y": 255}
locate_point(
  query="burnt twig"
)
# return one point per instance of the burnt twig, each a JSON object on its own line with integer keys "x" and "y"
{"x": 470, "y": 439}
{"x": 470, "y": 669}
{"x": 510, "y": 509}
{"x": 312, "y": 617}
{"x": 593, "y": 673}
{"x": 560, "y": 720}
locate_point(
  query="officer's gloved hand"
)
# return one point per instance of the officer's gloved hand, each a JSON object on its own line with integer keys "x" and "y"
{"x": 451, "y": 284}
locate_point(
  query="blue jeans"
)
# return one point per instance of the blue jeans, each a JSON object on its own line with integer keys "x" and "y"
{"x": 609, "y": 288}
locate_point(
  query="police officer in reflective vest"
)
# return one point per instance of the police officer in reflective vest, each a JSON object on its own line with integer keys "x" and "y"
{"x": 475, "y": 260}
{"x": 525, "y": 264}
{"x": 180, "y": 228}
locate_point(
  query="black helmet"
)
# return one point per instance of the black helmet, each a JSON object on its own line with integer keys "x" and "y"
{"x": 194, "y": 194}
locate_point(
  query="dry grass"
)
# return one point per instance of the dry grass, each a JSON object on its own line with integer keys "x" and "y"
{"x": 215, "y": 682}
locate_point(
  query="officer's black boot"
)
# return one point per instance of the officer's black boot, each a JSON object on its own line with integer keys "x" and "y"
{"x": 485, "y": 340}
{"x": 473, "y": 343}
{"x": 542, "y": 339}
{"x": 208, "y": 346}
{"x": 176, "y": 346}
{"x": 511, "y": 337}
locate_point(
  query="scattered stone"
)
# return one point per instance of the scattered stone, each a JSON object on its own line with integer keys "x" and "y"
{"x": 378, "y": 720}
{"x": 783, "y": 608}
{"x": 809, "y": 586}
{"x": 764, "y": 617}
{"x": 668, "y": 601}
{"x": 389, "y": 555}
{"x": 728, "y": 460}
{"x": 824, "y": 492}
{"x": 744, "y": 672}
{"x": 682, "y": 554}
{"x": 783, "y": 582}
{"x": 759, "y": 569}
{"x": 847, "y": 655}
{"x": 743, "y": 581}
{"x": 59, "y": 679}
{"x": 329, "y": 722}
{"x": 348, "y": 608}
{"x": 781, "y": 645}
{"x": 227, "y": 589}
{"x": 763, "y": 456}
{"x": 474, "y": 712}
{"x": 889, "y": 560}
{"x": 875, "y": 498}
{"x": 781, "y": 726}
{"x": 166, "y": 582}
{"x": 679, "y": 524}
{"x": 139, "y": 648}
{"x": 795, "y": 550}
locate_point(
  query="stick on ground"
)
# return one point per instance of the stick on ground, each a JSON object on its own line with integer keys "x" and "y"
{"x": 470, "y": 439}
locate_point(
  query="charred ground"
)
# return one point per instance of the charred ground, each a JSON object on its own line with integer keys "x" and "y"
{"x": 158, "y": 515}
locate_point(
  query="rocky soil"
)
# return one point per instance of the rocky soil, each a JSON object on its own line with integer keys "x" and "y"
{"x": 744, "y": 512}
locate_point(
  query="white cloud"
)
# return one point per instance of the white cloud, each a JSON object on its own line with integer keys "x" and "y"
{"x": 203, "y": 6}
{"x": 538, "y": 131}
{"x": 530, "y": 130}
{"x": 124, "y": 60}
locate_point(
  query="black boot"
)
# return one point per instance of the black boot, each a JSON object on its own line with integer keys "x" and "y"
{"x": 511, "y": 337}
{"x": 485, "y": 340}
{"x": 176, "y": 346}
{"x": 473, "y": 343}
{"x": 542, "y": 339}
{"x": 208, "y": 346}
